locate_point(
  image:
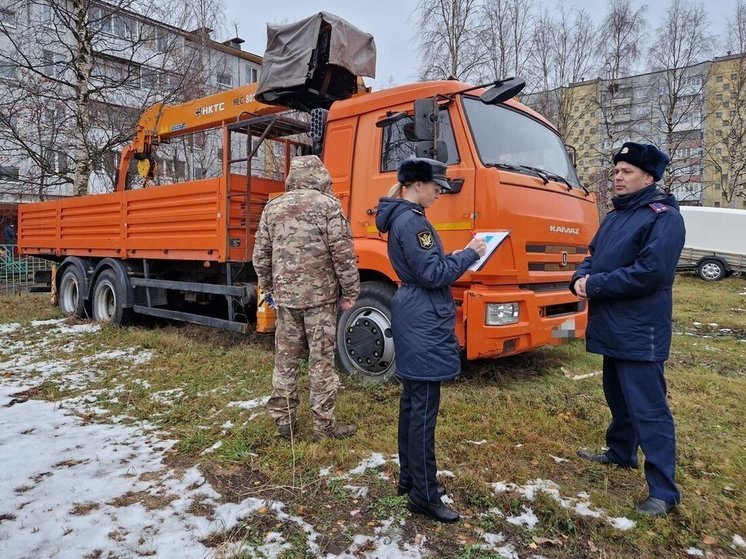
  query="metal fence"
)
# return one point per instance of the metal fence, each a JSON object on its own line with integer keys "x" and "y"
{"x": 17, "y": 272}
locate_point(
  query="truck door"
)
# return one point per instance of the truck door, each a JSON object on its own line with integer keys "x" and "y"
{"x": 378, "y": 157}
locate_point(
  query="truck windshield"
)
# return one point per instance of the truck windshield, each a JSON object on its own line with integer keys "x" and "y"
{"x": 506, "y": 138}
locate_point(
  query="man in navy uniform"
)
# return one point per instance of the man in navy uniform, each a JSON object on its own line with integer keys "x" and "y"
{"x": 628, "y": 281}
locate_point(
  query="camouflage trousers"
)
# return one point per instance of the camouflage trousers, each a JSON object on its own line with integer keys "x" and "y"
{"x": 295, "y": 329}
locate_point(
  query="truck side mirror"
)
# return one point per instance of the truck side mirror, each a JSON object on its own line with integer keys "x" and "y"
{"x": 504, "y": 90}
{"x": 437, "y": 150}
{"x": 426, "y": 118}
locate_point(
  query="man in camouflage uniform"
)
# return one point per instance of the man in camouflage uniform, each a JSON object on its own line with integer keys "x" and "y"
{"x": 303, "y": 255}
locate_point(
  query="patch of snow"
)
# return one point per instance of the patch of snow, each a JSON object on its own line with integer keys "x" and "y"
{"x": 167, "y": 397}
{"x": 477, "y": 443}
{"x": 492, "y": 542}
{"x": 212, "y": 449}
{"x": 250, "y": 404}
{"x": 527, "y": 519}
{"x": 357, "y": 491}
{"x": 227, "y": 425}
{"x": 445, "y": 473}
{"x": 89, "y": 481}
{"x": 580, "y": 505}
{"x": 622, "y": 523}
{"x": 738, "y": 541}
{"x": 558, "y": 459}
{"x": 9, "y": 328}
{"x": 371, "y": 463}
{"x": 693, "y": 551}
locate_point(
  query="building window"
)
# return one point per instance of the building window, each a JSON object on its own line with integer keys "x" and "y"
{"x": 123, "y": 26}
{"x": 148, "y": 78}
{"x": 225, "y": 80}
{"x": 7, "y": 71}
{"x": 52, "y": 64}
{"x": 162, "y": 42}
{"x": 8, "y": 173}
{"x": 7, "y": 17}
{"x": 719, "y": 79}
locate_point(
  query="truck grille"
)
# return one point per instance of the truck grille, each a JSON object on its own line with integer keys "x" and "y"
{"x": 561, "y": 264}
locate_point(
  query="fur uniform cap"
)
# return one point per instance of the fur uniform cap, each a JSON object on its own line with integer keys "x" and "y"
{"x": 644, "y": 156}
{"x": 423, "y": 169}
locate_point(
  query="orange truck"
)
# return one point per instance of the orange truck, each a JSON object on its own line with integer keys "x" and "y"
{"x": 182, "y": 251}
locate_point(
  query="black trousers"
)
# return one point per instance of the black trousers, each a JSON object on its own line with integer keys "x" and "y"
{"x": 636, "y": 394}
{"x": 418, "y": 413}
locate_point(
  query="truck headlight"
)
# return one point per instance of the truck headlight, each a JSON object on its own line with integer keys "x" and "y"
{"x": 499, "y": 314}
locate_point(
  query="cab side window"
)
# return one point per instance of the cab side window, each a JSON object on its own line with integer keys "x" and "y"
{"x": 397, "y": 145}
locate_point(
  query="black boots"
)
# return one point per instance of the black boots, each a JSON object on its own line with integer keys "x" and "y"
{"x": 437, "y": 511}
{"x": 405, "y": 489}
{"x": 601, "y": 458}
{"x": 655, "y": 507}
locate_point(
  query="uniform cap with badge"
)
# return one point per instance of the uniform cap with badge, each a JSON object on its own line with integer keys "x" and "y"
{"x": 423, "y": 169}
{"x": 643, "y": 156}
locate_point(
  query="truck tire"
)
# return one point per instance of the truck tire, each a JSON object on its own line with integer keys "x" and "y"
{"x": 711, "y": 269}
{"x": 70, "y": 295}
{"x": 365, "y": 344}
{"x": 108, "y": 298}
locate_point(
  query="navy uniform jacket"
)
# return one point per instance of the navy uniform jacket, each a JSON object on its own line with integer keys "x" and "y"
{"x": 632, "y": 265}
{"x": 423, "y": 312}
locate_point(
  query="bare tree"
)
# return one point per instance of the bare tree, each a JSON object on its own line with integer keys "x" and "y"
{"x": 94, "y": 65}
{"x": 561, "y": 49}
{"x": 619, "y": 48}
{"x": 677, "y": 91}
{"x": 506, "y": 37}
{"x": 449, "y": 39}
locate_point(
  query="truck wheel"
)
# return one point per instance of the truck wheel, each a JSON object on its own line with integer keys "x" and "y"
{"x": 70, "y": 299}
{"x": 365, "y": 344}
{"x": 711, "y": 270}
{"x": 108, "y": 299}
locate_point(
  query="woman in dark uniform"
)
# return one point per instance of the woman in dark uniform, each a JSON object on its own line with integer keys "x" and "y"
{"x": 423, "y": 318}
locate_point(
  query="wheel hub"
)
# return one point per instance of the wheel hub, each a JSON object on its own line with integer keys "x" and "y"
{"x": 368, "y": 341}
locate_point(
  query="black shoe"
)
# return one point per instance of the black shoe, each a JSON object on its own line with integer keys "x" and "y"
{"x": 405, "y": 489}
{"x": 655, "y": 507}
{"x": 601, "y": 458}
{"x": 437, "y": 511}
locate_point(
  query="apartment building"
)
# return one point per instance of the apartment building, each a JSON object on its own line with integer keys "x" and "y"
{"x": 137, "y": 60}
{"x": 697, "y": 114}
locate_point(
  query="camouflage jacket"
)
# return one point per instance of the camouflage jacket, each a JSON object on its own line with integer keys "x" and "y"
{"x": 304, "y": 253}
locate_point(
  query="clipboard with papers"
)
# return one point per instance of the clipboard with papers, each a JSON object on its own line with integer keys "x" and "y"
{"x": 493, "y": 239}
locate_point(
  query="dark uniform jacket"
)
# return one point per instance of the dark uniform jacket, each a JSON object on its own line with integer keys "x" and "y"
{"x": 423, "y": 311}
{"x": 632, "y": 264}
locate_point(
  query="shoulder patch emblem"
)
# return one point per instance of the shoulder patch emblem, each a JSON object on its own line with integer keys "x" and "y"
{"x": 426, "y": 240}
{"x": 658, "y": 208}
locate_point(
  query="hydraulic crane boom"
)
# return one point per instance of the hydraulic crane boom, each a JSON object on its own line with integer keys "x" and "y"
{"x": 162, "y": 122}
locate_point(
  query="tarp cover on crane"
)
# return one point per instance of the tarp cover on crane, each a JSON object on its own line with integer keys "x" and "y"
{"x": 314, "y": 61}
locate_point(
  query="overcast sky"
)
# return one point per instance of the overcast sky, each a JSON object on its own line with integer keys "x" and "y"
{"x": 393, "y": 25}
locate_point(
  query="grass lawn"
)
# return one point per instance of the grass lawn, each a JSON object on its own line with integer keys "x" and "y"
{"x": 506, "y": 428}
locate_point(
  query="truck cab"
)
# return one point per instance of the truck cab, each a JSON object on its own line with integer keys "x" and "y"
{"x": 510, "y": 172}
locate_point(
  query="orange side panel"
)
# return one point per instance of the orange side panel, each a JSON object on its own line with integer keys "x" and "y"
{"x": 182, "y": 221}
